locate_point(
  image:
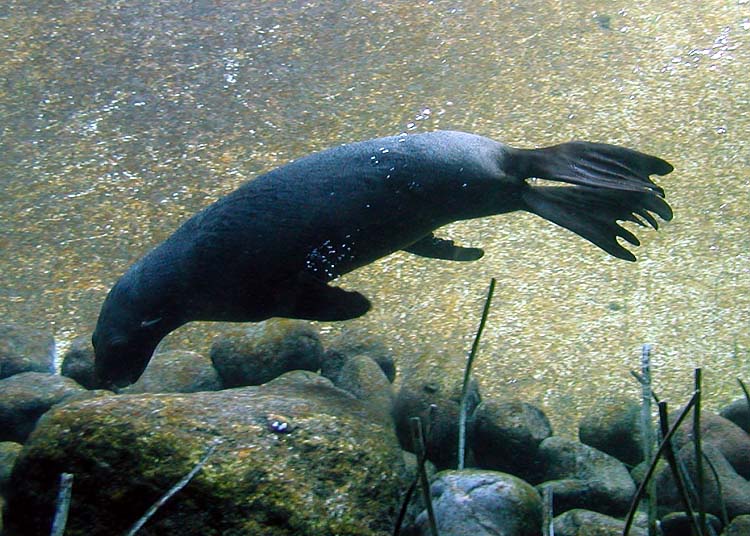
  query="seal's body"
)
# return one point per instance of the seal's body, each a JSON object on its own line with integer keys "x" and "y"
{"x": 269, "y": 248}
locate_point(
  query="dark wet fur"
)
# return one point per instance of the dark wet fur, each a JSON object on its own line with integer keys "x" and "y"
{"x": 270, "y": 248}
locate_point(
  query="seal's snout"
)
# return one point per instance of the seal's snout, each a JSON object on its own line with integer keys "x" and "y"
{"x": 119, "y": 360}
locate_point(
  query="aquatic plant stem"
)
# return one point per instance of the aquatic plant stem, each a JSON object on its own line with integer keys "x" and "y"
{"x": 744, "y": 390}
{"x": 647, "y": 433}
{"x": 652, "y": 467}
{"x": 672, "y": 460}
{"x": 463, "y": 410}
{"x": 698, "y": 445}
{"x": 548, "y": 512}
{"x": 63, "y": 505}
{"x": 418, "y": 440}
{"x": 173, "y": 490}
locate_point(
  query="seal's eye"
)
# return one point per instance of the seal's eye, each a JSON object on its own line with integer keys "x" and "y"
{"x": 149, "y": 323}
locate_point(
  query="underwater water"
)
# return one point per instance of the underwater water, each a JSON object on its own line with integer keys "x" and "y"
{"x": 121, "y": 119}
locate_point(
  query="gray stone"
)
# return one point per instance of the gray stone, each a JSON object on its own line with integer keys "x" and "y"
{"x": 363, "y": 378}
{"x": 25, "y": 350}
{"x": 679, "y": 524}
{"x": 333, "y": 469}
{"x": 27, "y": 396}
{"x": 739, "y": 413}
{"x": 505, "y": 436}
{"x": 432, "y": 396}
{"x": 9, "y": 451}
{"x": 740, "y": 526}
{"x": 352, "y": 342}
{"x": 735, "y": 490}
{"x": 579, "y": 522}
{"x": 584, "y": 477}
{"x": 258, "y": 353}
{"x": 476, "y": 502}
{"x": 731, "y": 440}
{"x": 614, "y": 427}
{"x": 78, "y": 363}
{"x": 177, "y": 371}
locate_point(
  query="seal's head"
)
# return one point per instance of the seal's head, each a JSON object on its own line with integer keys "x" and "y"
{"x": 124, "y": 339}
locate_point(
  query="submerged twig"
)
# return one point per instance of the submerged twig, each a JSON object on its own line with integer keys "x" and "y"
{"x": 548, "y": 513}
{"x": 744, "y": 390}
{"x": 418, "y": 440}
{"x": 173, "y": 490}
{"x": 467, "y": 376}
{"x": 719, "y": 493}
{"x": 698, "y": 444}
{"x": 421, "y": 461}
{"x": 647, "y": 432}
{"x": 405, "y": 505}
{"x": 652, "y": 466}
{"x": 672, "y": 460}
{"x": 63, "y": 505}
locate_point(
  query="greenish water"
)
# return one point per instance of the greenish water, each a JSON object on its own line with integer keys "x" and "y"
{"x": 120, "y": 119}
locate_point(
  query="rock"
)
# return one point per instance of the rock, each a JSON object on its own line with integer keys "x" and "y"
{"x": 740, "y": 526}
{"x": 505, "y": 436}
{"x": 735, "y": 490}
{"x": 8, "y": 454}
{"x": 257, "y": 353}
{"x": 354, "y": 342}
{"x": 363, "y": 378}
{"x": 614, "y": 427}
{"x": 78, "y": 363}
{"x": 474, "y": 502}
{"x": 679, "y": 524}
{"x": 579, "y": 522}
{"x": 332, "y": 469}
{"x": 584, "y": 477}
{"x": 25, "y": 350}
{"x": 27, "y": 396}
{"x": 177, "y": 371}
{"x": 730, "y": 439}
{"x": 739, "y": 413}
{"x": 434, "y": 398}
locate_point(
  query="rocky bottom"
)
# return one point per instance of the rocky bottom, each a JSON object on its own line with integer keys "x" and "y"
{"x": 307, "y": 439}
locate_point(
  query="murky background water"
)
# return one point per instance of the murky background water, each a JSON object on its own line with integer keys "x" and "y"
{"x": 119, "y": 119}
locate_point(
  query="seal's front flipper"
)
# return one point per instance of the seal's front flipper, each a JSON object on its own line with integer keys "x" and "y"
{"x": 439, "y": 248}
{"x": 308, "y": 298}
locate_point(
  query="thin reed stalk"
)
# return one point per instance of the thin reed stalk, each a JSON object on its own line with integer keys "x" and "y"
{"x": 173, "y": 490}
{"x": 63, "y": 505}
{"x": 744, "y": 390}
{"x": 463, "y": 410}
{"x": 663, "y": 445}
{"x": 698, "y": 444}
{"x": 548, "y": 512}
{"x": 672, "y": 460}
{"x": 647, "y": 433}
{"x": 418, "y": 440}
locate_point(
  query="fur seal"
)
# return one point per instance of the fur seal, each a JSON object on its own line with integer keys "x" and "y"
{"x": 270, "y": 248}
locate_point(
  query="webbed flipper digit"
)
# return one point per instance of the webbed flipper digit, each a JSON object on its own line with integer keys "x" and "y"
{"x": 440, "y": 248}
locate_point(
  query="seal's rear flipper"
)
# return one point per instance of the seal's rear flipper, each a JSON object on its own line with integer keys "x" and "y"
{"x": 592, "y": 164}
{"x": 439, "y": 248}
{"x": 308, "y": 298}
{"x": 593, "y": 213}
{"x": 611, "y": 184}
